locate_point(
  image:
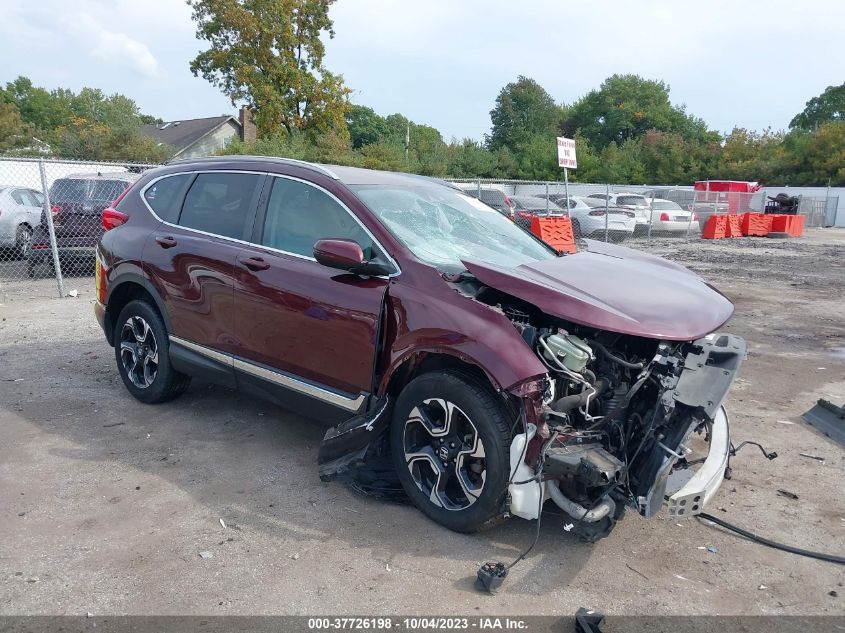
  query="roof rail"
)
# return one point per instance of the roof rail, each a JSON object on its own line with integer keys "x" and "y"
{"x": 275, "y": 159}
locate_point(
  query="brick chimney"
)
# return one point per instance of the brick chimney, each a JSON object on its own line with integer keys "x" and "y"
{"x": 247, "y": 126}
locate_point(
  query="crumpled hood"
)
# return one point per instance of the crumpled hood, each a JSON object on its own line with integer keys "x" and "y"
{"x": 617, "y": 289}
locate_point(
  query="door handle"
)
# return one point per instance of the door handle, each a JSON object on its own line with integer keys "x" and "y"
{"x": 166, "y": 241}
{"x": 253, "y": 263}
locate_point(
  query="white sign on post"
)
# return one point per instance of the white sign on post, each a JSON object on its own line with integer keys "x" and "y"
{"x": 566, "y": 153}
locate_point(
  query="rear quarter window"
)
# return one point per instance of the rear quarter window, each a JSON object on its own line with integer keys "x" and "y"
{"x": 165, "y": 196}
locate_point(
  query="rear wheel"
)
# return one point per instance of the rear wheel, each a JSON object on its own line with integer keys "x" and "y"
{"x": 449, "y": 441}
{"x": 23, "y": 241}
{"x": 142, "y": 352}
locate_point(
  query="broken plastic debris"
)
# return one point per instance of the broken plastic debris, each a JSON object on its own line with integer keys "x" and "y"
{"x": 568, "y": 527}
{"x": 712, "y": 549}
{"x": 387, "y": 566}
{"x": 73, "y": 293}
{"x": 761, "y": 587}
{"x": 206, "y": 554}
{"x": 295, "y": 556}
{"x": 223, "y": 524}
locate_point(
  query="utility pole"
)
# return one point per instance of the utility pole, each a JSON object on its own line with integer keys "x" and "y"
{"x": 407, "y": 140}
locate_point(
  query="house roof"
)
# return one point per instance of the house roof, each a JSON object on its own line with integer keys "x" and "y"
{"x": 184, "y": 133}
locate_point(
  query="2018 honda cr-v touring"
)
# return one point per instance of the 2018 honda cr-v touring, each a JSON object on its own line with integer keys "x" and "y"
{"x": 450, "y": 348}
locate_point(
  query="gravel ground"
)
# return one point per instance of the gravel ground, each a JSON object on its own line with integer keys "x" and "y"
{"x": 106, "y": 504}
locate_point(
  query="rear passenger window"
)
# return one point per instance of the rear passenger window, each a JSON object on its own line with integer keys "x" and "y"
{"x": 298, "y": 215}
{"x": 165, "y": 196}
{"x": 220, "y": 204}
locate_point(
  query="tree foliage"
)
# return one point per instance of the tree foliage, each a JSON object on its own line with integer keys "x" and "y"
{"x": 828, "y": 106}
{"x": 626, "y": 107}
{"x": 85, "y": 125}
{"x": 523, "y": 110}
{"x": 268, "y": 54}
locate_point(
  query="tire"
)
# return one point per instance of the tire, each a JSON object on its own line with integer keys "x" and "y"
{"x": 454, "y": 405}
{"x": 141, "y": 349}
{"x": 23, "y": 241}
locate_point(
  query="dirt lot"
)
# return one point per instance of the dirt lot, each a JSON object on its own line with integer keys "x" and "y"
{"x": 106, "y": 504}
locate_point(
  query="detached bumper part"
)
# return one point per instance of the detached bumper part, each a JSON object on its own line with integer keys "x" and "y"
{"x": 698, "y": 491}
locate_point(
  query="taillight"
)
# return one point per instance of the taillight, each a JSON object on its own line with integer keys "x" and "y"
{"x": 112, "y": 218}
{"x": 509, "y": 202}
{"x": 597, "y": 212}
{"x": 694, "y": 216}
{"x": 664, "y": 217}
{"x": 55, "y": 209}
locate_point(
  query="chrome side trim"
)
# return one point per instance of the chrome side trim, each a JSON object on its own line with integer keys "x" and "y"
{"x": 350, "y": 404}
{"x": 354, "y": 404}
{"x": 220, "y": 357}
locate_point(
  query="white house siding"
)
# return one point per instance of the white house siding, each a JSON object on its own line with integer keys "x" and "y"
{"x": 213, "y": 142}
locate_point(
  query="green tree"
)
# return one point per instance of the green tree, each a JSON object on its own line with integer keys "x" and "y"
{"x": 523, "y": 110}
{"x": 626, "y": 107}
{"x": 828, "y": 106}
{"x": 269, "y": 54}
{"x": 15, "y": 133}
{"x": 365, "y": 126}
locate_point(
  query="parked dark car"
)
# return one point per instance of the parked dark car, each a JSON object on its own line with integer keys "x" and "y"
{"x": 526, "y": 207}
{"x": 492, "y": 197}
{"x": 454, "y": 352}
{"x": 76, "y": 202}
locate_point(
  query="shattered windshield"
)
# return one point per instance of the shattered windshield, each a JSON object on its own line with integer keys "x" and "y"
{"x": 441, "y": 226}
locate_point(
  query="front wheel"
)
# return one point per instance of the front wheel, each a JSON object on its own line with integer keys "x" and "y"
{"x": 449, "y": 440}
{"x": 142, "y": 352}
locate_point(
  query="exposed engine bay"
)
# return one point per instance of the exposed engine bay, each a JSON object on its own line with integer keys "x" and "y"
{"x": 615, "y": 418}
{"x": 609, "y": 426}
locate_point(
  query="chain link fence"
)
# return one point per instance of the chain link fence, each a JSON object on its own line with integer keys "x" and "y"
{"x": 51, "y": 213}
{"x": 636, "y": 214}
{"x": 51, "y": 219}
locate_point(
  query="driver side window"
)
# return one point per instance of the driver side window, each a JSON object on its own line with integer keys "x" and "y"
{"x": 298, "y": 215}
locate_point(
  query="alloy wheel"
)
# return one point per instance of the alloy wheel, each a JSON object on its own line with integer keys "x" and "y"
{"x": 139, "y": 352}
{"x": 24, "y": 241}
{"x": 444, "y": 454}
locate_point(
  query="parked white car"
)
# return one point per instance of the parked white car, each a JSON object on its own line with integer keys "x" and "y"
{"x": 635, "y": 202}
{"x": 670, "y": 217}
{"x": 20, "y": 213}
{"x": 589, "y": 217}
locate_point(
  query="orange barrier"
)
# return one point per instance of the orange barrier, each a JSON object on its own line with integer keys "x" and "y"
{"x": 756, "y": 224}
{"x": 733, "y": 228}
{"x": 715, "y": 227}
{"x": 792, "y": 224}
{"x": 556, "y": 232}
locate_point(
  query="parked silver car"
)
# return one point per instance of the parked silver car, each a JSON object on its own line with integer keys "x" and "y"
{"x": 20, "y": 213}
{"x": 592, "y": 217}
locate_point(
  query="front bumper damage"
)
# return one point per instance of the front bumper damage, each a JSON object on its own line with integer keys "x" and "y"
{"x": 699, "y": 490}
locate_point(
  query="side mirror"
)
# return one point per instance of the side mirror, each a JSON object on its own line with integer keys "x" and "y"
{"x": 342, "y": 254}
{"x": 349, "y": 256}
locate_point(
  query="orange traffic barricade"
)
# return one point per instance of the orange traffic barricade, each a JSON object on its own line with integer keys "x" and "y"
{"x": 791, "y": 224}
{"x": 715, "y": 227}
{"x": 756, "y": 224}
{"x": 733, "y": 228}
{"x": 555, "y": 231}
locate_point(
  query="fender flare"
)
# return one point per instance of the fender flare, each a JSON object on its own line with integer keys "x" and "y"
{"x": 140, "y": 280}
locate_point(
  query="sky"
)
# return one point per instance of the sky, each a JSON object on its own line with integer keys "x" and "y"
{"x": 744, "y": 63}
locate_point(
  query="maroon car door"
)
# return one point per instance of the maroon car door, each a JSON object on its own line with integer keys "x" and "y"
{"x": 302, "y": 325}
{"x": 190, "y": 257}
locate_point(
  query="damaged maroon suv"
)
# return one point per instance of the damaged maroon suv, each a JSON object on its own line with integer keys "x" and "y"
{"x": 453, "y": 352}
